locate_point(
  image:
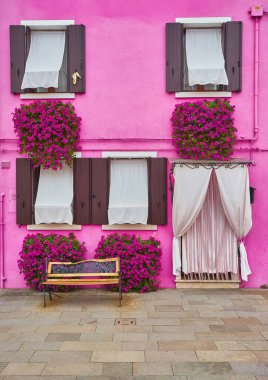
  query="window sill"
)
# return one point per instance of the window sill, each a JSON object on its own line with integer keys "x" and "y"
{"x": 54, "y": 227}
{"x": 129, "y": 227}
{"x": 205, "y": 94}
{"x": 46, "y": 95}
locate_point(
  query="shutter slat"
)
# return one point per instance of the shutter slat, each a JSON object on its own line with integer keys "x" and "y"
{"x": 233, "y": 54}
{"x": 24, "y": 191}
{"x": 157, "y": 168}
{"x": 82, "y": 179}
{"x": 76, "y": 57}
{"x": 100, "y": 190}
{"x": 17, "y": 57}
{"x": 174, "y": 57}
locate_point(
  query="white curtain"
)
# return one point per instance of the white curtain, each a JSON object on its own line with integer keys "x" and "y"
{"x": 210, "y": 244}
{"x": 189, "y": 194}
{"x": 54, "y": 196}
{"x": 44, "y": 60}
{"x": 204, "y": 57}
{"x": 234, "y": 191}
{"x": 128, "y": 200}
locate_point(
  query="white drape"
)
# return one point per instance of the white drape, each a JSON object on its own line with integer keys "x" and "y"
{"x": 189, "y": 194}
{"x": 44, "y": 60}
{"x": 54, "y": 196}
{"x": 210, "y": 244}
{"x": 128, "y": 200}
{"x": 234, "y": 191}
{"x": 204, "y": 57}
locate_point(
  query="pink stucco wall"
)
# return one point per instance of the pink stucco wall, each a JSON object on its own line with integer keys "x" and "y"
{"x": 126, "y": 98}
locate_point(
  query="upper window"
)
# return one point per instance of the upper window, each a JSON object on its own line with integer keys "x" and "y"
{"x": 47, "y": 58}
{"x": 203, "y": 57}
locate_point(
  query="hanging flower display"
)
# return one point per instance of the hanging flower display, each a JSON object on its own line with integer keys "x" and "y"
{"x": 204, "y": 130}
{"x": 48, "y": 132}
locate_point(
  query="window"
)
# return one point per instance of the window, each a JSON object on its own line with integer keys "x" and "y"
{"x": 91, "y": 185}
{"x": 62, "y": 74}
{"x": 177, "y": 69}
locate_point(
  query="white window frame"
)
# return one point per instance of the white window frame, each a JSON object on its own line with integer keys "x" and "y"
{"x": 196, "y": 22}
{"x": 55, "y": 226}
{"x": 47, "y": 24}
{"x": 129, "y": 227}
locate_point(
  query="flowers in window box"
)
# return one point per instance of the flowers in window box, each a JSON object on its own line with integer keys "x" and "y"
{"x": 140, "y": 260}
{"x": 48, "y": 132}
{"x": 204, "y": 130}
{"x": 53, "y": 247}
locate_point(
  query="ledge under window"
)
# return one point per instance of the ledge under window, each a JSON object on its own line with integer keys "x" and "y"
{"x": 129, "y": 227}
{"x": 47, "y": 95}
{"x": 54, "y": 227}
{"x": 203, "y": 94}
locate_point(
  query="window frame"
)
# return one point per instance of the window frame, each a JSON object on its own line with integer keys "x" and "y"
{"x": 195, "y": 22}
{"x": 129, "y": 155}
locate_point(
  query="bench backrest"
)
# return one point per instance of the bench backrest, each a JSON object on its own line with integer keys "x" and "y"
{"x": 93, "y": 267}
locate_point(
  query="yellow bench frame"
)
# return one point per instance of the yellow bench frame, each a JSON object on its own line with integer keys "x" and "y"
{"x": 102, "y": 278}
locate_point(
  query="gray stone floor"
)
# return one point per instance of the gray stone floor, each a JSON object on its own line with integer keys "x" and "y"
{"x": 176, "y": 334}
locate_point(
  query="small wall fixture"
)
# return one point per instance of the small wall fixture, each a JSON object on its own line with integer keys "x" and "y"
{"x": 5, "y": 165}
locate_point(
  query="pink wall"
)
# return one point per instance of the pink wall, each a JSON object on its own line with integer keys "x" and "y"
{"x": 126, "y": 98}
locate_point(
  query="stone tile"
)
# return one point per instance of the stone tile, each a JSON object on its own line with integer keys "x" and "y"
{"x": 173, "y": 314}
{"x": 40, "y": 346}
{"x": 18, "y": 377}
{"x": 155, "y": 377}
{"x": 103, "y": 329}
{"x": 184, "y": 345}
{"x": 238, "y": 307}
{"x": 32, "y": 337}
{"x": 226, "y": 356}
{"x": 181, "y": 329}
{"x": 67, "y": 329}
{"x": 15, "y": 356}
{"x": 59, "y": 356}
{"x": 90, "y": 346}
{"x": 158, "y": 322}
{"x": 117, "y": 356}
{"x": 76, "y": 369}
{"x": 229, "y": 328}
{"x": 202, "y": 369}
{"x": 170, "y": 356}
{"x": 138, "y": 329}
{"x": 240, "y": 321}
{"x": 244, "y": 345}
{"x": 257, "y": 369}
{"x": 2, "y": 366}
{"x": 171, "y": 336}
{"x": 10, "y": 346}
{"x": 168, "y": 308}
{"x": 62, "y": 337}
{"x": 152, "y": 369}
{"x": 118, "y": 369}
{"x": 218, "y": 314}
{"x": 23, "y": 369}
{"x": 262, "y": 356}
{"x": 97, "y": 337}
{"x": 130, "y": 337}
{"x": 202, "y": 321}
{"x": 139, "y": 346}
{"x": 234, "y": 336}
{"x": 223, "y": 377}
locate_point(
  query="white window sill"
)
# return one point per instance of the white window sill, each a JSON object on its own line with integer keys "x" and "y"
{"x": 54, "y": 227}
{"x": 47, "y": 95}
{"x": 129, "y": 227}
{"x": 205, "y": 94}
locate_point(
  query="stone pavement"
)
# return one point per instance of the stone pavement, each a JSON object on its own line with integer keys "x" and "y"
{"x": 174, "y": 334}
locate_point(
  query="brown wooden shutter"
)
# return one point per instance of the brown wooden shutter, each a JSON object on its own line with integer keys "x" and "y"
{"x": 174, "y": 57}
{"x": 17, "y": 57}
{"x": 82, "y": 191}
{"x": 233, "y": 54}
{"x": 24, "y": 191}
{"x": 157, "y": 169}
{"x": 100, "y": 190}
{"x": 76, "y": 57}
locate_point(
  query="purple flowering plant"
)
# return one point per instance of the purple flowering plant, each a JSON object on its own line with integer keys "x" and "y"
{"x": 48, "y": 132}
{"x": 204, "y": 130}
{"x": 53, "y": 247}
{"x": 140, "y": 260}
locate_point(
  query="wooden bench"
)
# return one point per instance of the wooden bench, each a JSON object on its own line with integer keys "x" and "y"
{"x": 87, "y": 272}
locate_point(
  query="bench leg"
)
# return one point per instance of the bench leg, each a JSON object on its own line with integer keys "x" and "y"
{"x": 49, "y": 293}
{"x": 44, "y": 295}
{"x": 120, "y": 290}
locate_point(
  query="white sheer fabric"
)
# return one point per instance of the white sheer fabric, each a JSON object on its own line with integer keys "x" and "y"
{"x": 44, "y": 60}
{"x": 54, "y": 196}
{"x": 234, "y": 192}
{"x": 189, "y": 194}
{"x": 210, "y": 244}
{"x": 128, "y": 200}
{"x": 204, "y": 57}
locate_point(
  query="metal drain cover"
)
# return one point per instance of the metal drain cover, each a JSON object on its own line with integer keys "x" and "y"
{"x": 125, "y": 321}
